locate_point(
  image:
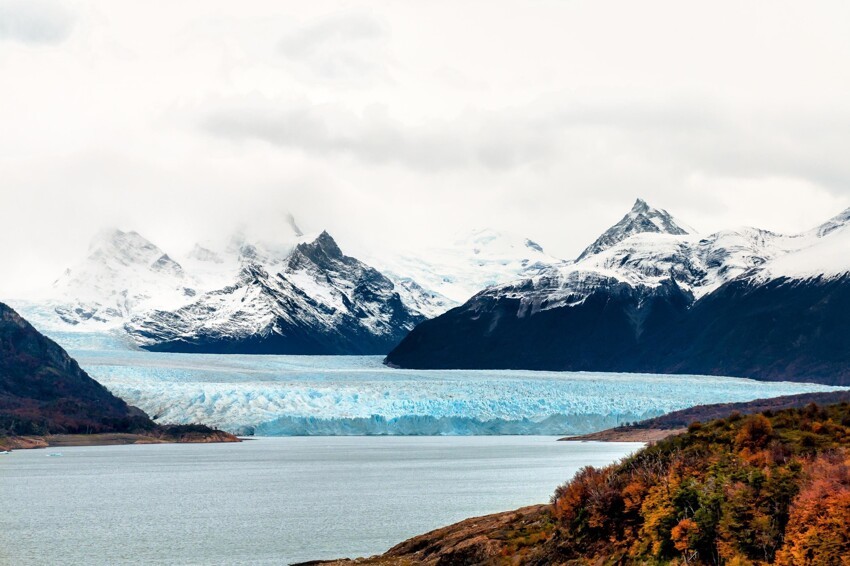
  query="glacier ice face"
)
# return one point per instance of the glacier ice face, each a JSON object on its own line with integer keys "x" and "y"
{"x": 339, "y": 395}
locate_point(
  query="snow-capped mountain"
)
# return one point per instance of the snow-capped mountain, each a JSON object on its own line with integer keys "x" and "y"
{"x": 650, "y": 295}
{"x": 474, "y": 260}
{"x": 245, "y": 293}
{"x": 320, "y": 302}
{"x": 123, "y": 273}
{"x": 641, "y": 219}
{"x": 217, "y": 264}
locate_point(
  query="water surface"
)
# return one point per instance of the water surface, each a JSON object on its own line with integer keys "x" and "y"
{"x": 269, "y": 500}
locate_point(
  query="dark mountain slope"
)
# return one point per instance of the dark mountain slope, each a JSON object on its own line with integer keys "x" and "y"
{"x": 648, "y": 298}
{"x": 780, "y": 331}
{"x": 43, "y": 390}
{"x": 784, "y": 330}
{"x": 600, "y": 334}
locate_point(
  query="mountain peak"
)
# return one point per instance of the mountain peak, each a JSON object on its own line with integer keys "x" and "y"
{"x": 319, "y": 251}
{"x": 642, "y": 218}
{"x": 327, "y": 244}
{"x": 640, "y": 206}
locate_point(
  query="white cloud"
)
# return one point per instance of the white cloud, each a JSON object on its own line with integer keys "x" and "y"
{"x": 401, "y": 122}
{"x": 339, "y": 46}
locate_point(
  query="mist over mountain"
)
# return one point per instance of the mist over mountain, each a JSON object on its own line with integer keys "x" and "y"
{"x": 273, "y": 291}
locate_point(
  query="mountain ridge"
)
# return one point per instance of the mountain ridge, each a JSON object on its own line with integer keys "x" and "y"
{"x": 320, "y": 302}
{"x": 128, "y": 285}
{"x": 640, "y": 303}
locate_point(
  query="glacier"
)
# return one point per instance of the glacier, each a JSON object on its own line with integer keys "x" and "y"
{"x": 358, "y": 395}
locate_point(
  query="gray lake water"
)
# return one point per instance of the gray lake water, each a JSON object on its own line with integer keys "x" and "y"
{"x": 268, "y": 500}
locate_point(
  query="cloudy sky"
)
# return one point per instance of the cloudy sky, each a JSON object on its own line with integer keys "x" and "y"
{"x": 404, "y": 122}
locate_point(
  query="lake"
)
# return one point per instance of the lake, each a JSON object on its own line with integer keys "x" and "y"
{"x": 268, "y": 500}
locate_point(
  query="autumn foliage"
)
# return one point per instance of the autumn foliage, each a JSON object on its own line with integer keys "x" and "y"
{"x": 763, "y": 489}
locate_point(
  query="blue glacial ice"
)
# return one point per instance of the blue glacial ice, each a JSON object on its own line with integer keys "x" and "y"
{"x": 305, "y": 395}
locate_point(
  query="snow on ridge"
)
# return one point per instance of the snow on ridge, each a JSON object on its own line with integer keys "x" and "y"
{"x": 125, "y": 274}
{"x": 126, "y": 277}
{"x": 697, "y": 263}
{"x": 122, "y": 273}
{"x": 824, "y": 256}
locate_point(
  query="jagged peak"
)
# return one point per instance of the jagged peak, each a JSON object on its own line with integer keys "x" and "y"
{"x": 323, "y": 248}
{"x": 642, "y": 218}
{"x": 115, "y": 237}
{"x": 640, "y": 206}
{"x": 164, "y": 263}
{"x": 327, "y": 245}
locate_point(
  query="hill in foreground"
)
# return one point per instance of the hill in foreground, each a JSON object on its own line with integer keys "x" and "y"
{"x": 768, "y": 488}
{"x": 43, "y": 391}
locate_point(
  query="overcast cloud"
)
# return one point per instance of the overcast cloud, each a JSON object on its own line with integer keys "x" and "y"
{"x": 406, "y": 122}
{"x": 34, "y": 21}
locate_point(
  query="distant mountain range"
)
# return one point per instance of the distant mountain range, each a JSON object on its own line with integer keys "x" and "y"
{"x": 650, "y": 295}
{"x": 289, "y": 294}
{"x": 319, "y": 302}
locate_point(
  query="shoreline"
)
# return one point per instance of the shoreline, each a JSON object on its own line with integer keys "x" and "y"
{"x": 630, "y": 434}
{"x": 11, "y": 443}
